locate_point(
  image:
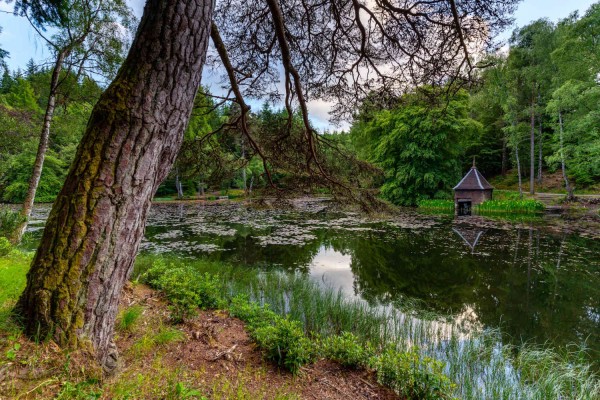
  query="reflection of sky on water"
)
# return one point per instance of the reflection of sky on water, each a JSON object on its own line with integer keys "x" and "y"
{"x": 332, "y": 269}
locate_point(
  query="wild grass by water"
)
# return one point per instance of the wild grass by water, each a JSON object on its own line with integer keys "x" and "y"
{"x": 477, "y": 361}
{"x": 437, "y": 205}
{"x": 510, "y": 207}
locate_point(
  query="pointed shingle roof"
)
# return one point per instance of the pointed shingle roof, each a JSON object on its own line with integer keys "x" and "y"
{"x": 473, "y": 180}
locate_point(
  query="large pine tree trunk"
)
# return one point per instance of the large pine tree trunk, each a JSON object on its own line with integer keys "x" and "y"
{"x": 38, "y": 165}
{"x": 97, "y": 222}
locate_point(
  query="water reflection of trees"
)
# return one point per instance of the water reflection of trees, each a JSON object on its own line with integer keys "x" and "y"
{"x": 535, "y": 286}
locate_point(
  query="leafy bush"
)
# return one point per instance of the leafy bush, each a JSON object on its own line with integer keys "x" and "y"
{"x": 412, "y": 375}
{"x": 185, "y": 289}
{"x": 252, "y": 313}
{"x": 5, "y": 246}
{"x": 347, "y": 350}
{"x": 9, "y": 221}
{"x": 282, "y": 339}
{"x": 285, "y": 343}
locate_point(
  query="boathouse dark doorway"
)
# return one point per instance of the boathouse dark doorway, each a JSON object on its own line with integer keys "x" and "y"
{"x": 464, "y": 207}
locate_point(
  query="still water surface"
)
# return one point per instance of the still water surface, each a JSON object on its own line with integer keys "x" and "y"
{"x": 536, "y": 286}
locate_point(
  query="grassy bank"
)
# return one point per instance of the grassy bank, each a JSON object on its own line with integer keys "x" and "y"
{"x": 478, "y": 363}
{"x": 295, "y": 322}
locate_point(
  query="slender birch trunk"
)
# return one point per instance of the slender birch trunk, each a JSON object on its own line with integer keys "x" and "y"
{"x": 38, "y": 166}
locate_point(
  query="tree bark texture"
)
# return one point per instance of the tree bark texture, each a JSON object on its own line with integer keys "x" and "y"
{"x": 95, "y": 227}
{"x": 38, "y": 165}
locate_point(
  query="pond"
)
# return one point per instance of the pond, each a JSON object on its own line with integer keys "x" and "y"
{"x": 536, "y": 286}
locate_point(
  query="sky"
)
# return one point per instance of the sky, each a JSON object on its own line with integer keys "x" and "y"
{"x": 21, "y": 41}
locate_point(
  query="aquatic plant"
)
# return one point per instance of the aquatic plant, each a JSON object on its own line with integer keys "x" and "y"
{"x": 435, "y": 204}
{"x": 510, "y": 207}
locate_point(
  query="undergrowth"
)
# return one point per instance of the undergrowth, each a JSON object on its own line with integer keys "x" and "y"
{"x": 284, "y": 340}
{"x": 296, "y": 321}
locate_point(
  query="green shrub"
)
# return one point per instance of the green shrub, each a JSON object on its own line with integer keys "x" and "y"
{"x": 5, "y": 246}
{"x": 9, "y": 221}
{"x": 282, "y": 339}
{"x": 252, "y": 313}
{"x": 185, "y": 288}
{"x": 285, "y": 343}
{"x": 347, "y": 350}
{"x": 411, "y": 375}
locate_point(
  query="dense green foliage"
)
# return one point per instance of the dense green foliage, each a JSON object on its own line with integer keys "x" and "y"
{"x": 536, "y": 107}
{"x": 549, "y": 74}
{"x": 23, "y": 98}
{"x": 419, "y": 144}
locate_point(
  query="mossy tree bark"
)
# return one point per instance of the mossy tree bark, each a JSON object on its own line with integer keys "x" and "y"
{"x": 95, "y": 227}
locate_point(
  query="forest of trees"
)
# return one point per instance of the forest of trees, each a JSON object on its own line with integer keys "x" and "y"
{"x": 535, "y": 110}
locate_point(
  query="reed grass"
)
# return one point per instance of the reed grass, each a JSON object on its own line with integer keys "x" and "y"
{"x": 510, "y": 207}
{"x": 436, "y": 205}
{"x": 478, "y": 362}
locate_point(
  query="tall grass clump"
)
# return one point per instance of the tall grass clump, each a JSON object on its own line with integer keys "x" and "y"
{"x": 510, "y": 207}
{"x": 9, "y": 222}
{"x": 128, "y": 317}
{"x": 436, "y": 205}
{"x": 417, "y": 351}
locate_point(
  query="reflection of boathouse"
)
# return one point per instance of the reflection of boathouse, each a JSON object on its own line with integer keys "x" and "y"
{"x": 469, "y": 236}
{"x": 473, "y": 189}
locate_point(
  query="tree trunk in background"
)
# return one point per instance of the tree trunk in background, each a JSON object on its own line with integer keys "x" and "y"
{"x": 514, "y": 126}
{"x": 504, "y": 156}
{"x": 540, "y": 152}
{"x": 532, "y": 150}
{"x": 562, "y": 158}
{"x": 38, "y": 166}
{"x": 87, "y": 251}
{"x": 178, "y": 185}
{"x": 519, "y": 171}
{"x": 244, "y": 168}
